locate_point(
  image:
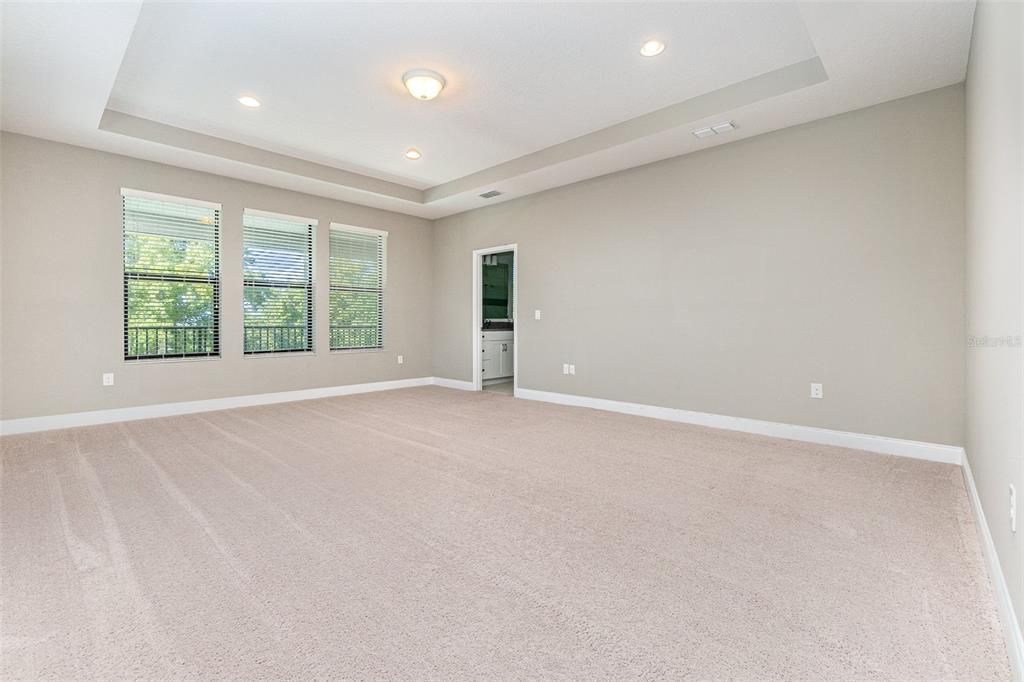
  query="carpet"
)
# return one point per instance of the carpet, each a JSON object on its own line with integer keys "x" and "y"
{"x": 429, "y": 533}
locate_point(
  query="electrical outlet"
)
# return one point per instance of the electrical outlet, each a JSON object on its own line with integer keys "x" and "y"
{"x": 536, "y": 314}
{"x": 401, "y": 359}
{"x": 816, "y": 391}
{"x": 108, "y": 379}
{"x": 572, "y": 370}
{"x": 1013, "y": 509}
{"x": 565, "y": 368}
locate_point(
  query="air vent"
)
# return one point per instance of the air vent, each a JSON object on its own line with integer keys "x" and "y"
{"x": 718, "y": 129}
{"x": 490, "y": 195}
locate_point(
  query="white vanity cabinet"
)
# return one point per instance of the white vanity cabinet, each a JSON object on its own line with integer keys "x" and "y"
{"x": 507, "y": 364}
{"x": 498, "y": 351}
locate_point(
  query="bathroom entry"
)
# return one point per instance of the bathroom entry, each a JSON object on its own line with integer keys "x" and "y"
{"x": 494, "y": 317}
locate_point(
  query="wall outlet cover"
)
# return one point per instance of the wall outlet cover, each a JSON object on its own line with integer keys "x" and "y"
{"x": 401, "y": 359}
{"x": 536, "y": 314}
{"x": 108, "y": 379}
{"x": 572, "y": 370}
{"x": 565, "y": 368}
{"x": 816, "y": 391}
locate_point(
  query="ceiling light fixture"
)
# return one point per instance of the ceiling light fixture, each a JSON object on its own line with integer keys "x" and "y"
{"x": 423, "y": 84}
{"x": 247, "y": 101}
{"x": 412, "y": 154}
{"x": 652, "y": 48}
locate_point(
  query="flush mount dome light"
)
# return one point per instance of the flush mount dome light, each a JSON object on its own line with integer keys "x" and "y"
{"x": 423, "y": 83}
{"x": 412, "y": 154}
{"x": 652, "y": 48}
{"x": 247, "y": 101}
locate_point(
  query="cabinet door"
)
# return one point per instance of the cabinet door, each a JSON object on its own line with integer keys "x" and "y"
{"x": 508, "y": 359}
{"x": 491, "y": 359}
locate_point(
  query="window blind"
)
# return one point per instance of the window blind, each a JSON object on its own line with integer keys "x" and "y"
{"x": 171, "y": 259}
{"x": 277, "y": 273}
{"x": 358, "y": 264}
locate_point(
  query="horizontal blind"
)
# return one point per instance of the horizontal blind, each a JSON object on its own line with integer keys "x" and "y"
{"x": 357, "y": 265}
{"x": 277, "y": 273}
{"x": 171, "y": 258}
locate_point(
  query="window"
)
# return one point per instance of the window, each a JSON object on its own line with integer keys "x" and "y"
{"x": 358, "y": 258}
{"x": 171, "y": 255}
{"x": 277, "y": 273}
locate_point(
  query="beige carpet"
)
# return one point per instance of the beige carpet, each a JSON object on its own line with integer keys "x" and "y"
{"x": 432, "y": 533}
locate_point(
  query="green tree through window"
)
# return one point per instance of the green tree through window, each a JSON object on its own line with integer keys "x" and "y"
{"x": 277, "y": 269}
{"x": 357, "y": 264}
{"x": 171, "y": 277}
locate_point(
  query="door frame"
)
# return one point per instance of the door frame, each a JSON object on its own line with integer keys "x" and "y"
{"x": 478, "y": 313}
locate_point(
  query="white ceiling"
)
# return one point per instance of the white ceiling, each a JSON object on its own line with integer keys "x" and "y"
{"x": 538, "y": 95}
{"x": 520, "y": 77}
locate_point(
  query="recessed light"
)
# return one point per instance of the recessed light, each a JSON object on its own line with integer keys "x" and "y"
{"x": 423, "y": 84}
{"x": 247, "y": 101}
{"x": 652, "y": 48}
{"x": 413, "y": 154}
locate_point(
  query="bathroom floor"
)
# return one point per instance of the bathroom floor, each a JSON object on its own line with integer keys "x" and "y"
{"x": 502, "y": 387}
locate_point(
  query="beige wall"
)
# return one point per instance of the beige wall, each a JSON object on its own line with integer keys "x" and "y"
{"x": 727, "y": 281}
{"x": 61, "y": 287}
{"x": 724, "y": 281}
{"x": 995, "y": 260}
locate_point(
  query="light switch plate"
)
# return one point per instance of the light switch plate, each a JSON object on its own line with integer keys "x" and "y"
{"x": 401, "y": 359}
{"x": 536, "y": 314}
{"x": 565, "y": 368}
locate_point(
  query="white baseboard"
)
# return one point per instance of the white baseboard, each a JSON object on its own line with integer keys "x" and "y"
{"x": 948, "y": 454}
{"x": 1007, "y": 615}
{"x": 891, "y": 446}
{"x": 454, "y": 383}
{"x": 123, "y": 414}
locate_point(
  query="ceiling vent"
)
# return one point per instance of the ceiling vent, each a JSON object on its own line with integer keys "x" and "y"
{"x": 490, "y": 195}
{"x": 718, "y": 129}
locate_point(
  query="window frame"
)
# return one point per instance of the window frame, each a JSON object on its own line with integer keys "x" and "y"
{"x": 126, "y": 277}
{"x": 382, "y": 291}
{"x": 312, "y": 225}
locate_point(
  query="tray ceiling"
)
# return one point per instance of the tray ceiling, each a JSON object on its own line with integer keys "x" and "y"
{"x": 538, "y": 95}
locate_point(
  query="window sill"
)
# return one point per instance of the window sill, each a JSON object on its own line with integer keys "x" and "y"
{"x": 168, "y": 361}
{"x": 356, "y": 351}
{"x": 281, "y": 354}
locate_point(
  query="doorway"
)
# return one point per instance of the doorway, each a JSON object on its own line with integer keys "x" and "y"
{"x": 495, "y": 332}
